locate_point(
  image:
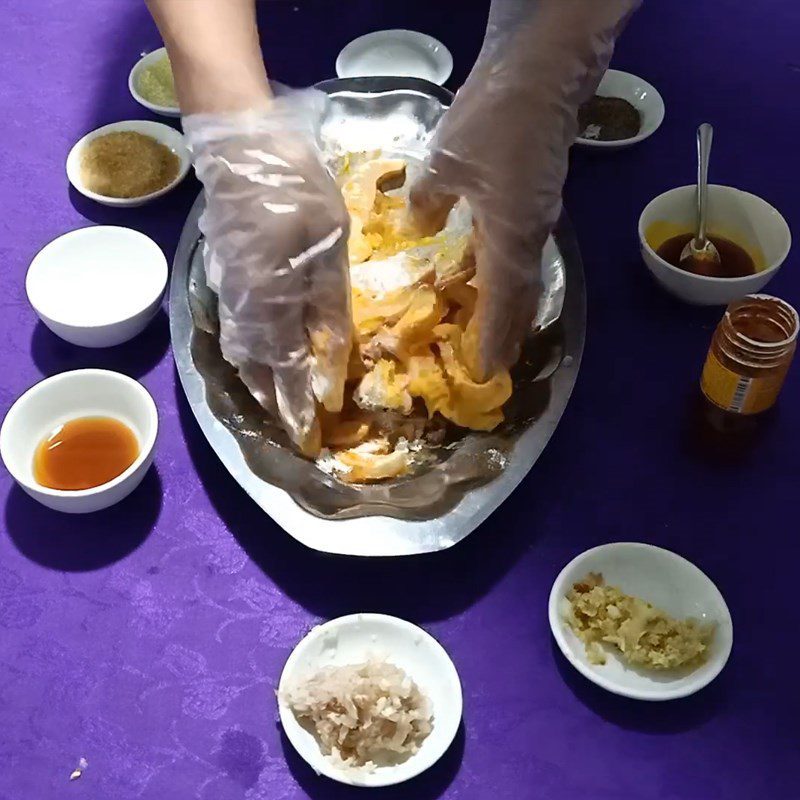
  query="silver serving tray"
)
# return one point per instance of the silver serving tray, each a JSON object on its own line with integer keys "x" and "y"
{"x": 441, "y": 504}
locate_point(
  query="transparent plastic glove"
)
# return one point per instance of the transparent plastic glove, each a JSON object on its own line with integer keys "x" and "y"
{"x": 276, "y": 233}
{"x": 503, "y": 145}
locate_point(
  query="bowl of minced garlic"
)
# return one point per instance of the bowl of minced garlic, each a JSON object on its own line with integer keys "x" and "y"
{"x": 128, "y": 163}
{"x": 603, "y": 616}
{"x": 640, "y": 621}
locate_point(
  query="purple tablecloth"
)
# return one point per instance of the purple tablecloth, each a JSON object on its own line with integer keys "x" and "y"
{"x": 148, "y": 639}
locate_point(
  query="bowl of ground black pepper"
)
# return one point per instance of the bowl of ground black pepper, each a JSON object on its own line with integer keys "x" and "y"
{"x": 128, "y": 163}
{"x": 625, "y": 110}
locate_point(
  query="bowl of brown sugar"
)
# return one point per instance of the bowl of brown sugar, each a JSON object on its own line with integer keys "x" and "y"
{"x": 128, "y": 163}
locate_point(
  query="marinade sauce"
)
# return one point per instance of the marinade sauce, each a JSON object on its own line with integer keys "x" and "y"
{"x": 734, "y": 261}
{"x": 84, "y": 453}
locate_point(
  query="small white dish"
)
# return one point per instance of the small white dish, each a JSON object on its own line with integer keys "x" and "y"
{"x": 162, "y": 133}
{"x": 667, "y": 581}
{"x": 352, "y": 640}
{"x": 133, "y": 84}
{"x": 641, "y": 95}
{"x": 98, "y": 286}
{"x": 70, "y": 395}
{"x": 739, "y": 216}
{"x": 396, "y": 53}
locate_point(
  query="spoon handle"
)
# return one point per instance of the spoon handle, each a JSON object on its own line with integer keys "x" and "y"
{"x": 705, "y": 135}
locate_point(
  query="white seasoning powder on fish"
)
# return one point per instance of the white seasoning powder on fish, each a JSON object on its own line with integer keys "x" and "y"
{"x": 379, "y": 278}
{"x": 329, "y": 464}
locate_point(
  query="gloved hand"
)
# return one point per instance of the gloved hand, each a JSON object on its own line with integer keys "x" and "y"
{"x": 503, "y": 145}
{"x": 276, "y": 233}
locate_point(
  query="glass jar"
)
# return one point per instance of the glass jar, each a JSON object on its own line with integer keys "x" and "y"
{"x": 750, "y": 354}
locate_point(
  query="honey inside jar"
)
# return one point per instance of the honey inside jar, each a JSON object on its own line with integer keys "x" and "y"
{"x": 84, "y": 453}
{"x": 750, "y": 354}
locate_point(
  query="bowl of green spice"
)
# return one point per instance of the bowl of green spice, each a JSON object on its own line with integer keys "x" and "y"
{"x": 152, "y": 85}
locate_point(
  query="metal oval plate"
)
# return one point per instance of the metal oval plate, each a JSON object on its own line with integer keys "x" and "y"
{"x": 440, "y": 506}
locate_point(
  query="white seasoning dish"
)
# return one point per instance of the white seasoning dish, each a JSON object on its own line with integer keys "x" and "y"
{"x": 396, "y": 52}
{"x": 164, "y": 134}
{"x": 136, "y": 72}
{"x": 97, "y": 286}
{"x": 72, "y": 395}
{"x": 663, "y": 579}
{"x": 353, "y": 640}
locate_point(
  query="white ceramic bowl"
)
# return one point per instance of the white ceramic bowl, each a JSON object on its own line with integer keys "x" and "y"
{"x": 133, "y": 82}
{"x": 739, "y": 216}
{"x": 641, "y": 95}
{"x": 664, "y": 579}
{"x": 352, "y": 640}
{"x": 397, "y": 53}
{"x": 98, "y": 286}
{"x": 70, "y": 395}
{"x": 162, "y": 133}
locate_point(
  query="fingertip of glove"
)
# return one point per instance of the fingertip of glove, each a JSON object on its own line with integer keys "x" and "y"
{"x": 310, "y": 442}
{"x": 428, "y": 209}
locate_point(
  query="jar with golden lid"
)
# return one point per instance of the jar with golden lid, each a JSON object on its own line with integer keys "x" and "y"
{"x": 750, "y": 354}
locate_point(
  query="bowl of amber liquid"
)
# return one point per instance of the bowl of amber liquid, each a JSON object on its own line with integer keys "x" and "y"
{"x": 750, "y": 235}
{"x": 80, "y": 441}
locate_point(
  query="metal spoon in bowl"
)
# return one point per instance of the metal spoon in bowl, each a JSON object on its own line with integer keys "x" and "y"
{"x": 700, "y": 248}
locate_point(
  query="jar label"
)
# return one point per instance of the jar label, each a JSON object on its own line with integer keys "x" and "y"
{"x": 733, "y": 392}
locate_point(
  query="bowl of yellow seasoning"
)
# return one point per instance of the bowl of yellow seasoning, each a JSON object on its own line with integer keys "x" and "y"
{"x": 80, "y": 441}
{"x": 152, "y": 84}
{"x": 750, "y": 235}
{"x": 128, "y": 163}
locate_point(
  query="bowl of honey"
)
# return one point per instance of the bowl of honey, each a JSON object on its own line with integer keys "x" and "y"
{"x": 80, "y": 441}
{"x": 751, "y": 236}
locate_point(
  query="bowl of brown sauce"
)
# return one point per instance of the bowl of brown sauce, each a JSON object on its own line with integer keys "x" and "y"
{"x": 80, "y": 441}
{"x": 751, "y": 236}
